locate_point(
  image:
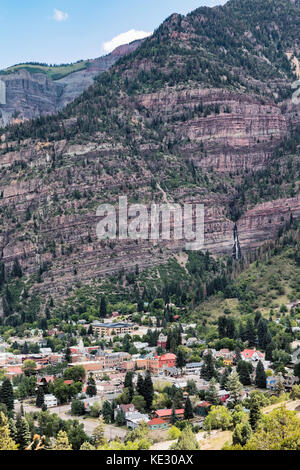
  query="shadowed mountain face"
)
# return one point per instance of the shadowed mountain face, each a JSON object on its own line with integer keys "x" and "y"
{"x": 30, "y": 91}
{"x": 202, "y": 111}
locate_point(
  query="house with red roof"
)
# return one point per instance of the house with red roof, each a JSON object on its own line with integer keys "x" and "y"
{"x": 252, "y": 355}
{"x": 202, "y": 408}
{"x": 167, "y": 414}
{"x": 158, "y": 423}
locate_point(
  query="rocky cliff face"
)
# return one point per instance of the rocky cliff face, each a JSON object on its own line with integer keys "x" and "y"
{"x": 27, "y": 95}
{"x": 164, "y": 125}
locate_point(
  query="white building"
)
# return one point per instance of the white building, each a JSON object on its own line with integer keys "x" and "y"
{"x": 135, "y": 418}
{"x": 50, "y": 400}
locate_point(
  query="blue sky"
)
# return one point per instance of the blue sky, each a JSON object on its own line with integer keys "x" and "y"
{"x": 62, "y": 31}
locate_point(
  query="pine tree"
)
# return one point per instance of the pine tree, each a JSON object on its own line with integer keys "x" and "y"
{"x": 188, "y": 409}
{"x": 234, "y": 386}
{"x": 129, "y": 384}
{"x": 6, "y": 440}
{"x": 269, "y": 351}
{"x": 62, "y": 441}
{"x": 180, "y": 359}
{"x": 148, "y": 392}
{"x": 251, "y": 336}
{"x": 208, "y": 369}
{"x": 103, "y": 307}
{"x": 40, "y": 397}
{"x": 91, "y": 389}
{"x": 255, "y": 414}
{"x": 12, "y": 429}
{"x": 98, "y": 434}
{"x": 7, "y": 394}
{"x": 243, "y": 371}
{"x": 107, "y": 412}
{"x": 212, "y": 393}
{"x": 260, "y": 377}
{"x": 241, "y": 434}
{"x": 23, "y": 433}
{"x": 68, "y": 355}
{"x": 279, "y": 387}
{"x": 120, "y": 418}
{"x": 140, "y": 385}
{"x": 262, "y": 333}
{"x": 224, "y": 378}
{"x": 16, "y": 269}
{"x": 238, "y": 356}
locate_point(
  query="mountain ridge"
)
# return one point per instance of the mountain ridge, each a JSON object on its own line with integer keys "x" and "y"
{"x": 30, "y": 90}
{"x": 162, "y": 123}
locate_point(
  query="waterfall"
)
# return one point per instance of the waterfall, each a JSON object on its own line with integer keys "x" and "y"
{"x": 236, "y": 246}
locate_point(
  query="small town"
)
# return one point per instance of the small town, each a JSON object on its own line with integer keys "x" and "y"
{"x": 149, "y": 384}
{"x": 150, "y": 230}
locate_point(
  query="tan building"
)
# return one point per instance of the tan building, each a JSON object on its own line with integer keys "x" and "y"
{"x": 109, "y": 329}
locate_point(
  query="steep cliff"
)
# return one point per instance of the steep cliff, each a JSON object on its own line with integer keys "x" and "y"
{"x": 200, "y": 112}
{"x": 30, "y": 91}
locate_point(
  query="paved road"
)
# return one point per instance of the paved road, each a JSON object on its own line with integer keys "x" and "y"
{"x": 111, "y": 432}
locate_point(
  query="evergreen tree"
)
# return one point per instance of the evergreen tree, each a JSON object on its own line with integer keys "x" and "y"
{"x": 98, "y": 435}
{"x": 241, "y": 434}
{"x": 128, "y": 383}
{"x": 6, "y": 440}
{"x": 140, "y": 385}
{"x": 279, "y": 387}
{"x": 23, "y": 433}
{"x": 238, "y": 356}
{"x": 188, "y": 409}
{"x": 2, "y": 274}
{"x": 262, "y": 333}
{"x": 269, "y": 351}
{"x": 12, "y": 429}
{"x": 7, "y": 394}
{"x": 40, "y": 398}
{"x": 251, "y": 336}
{"x": 180, "y": 359}
{"x": 16, "y": 269}
{"x": 243, "y": 371}
{"x": 107, "y": 412}
{"x": 255, "y": 414}
{"x": 68, "y": 355}
{"x": 224, "y": 378}
{"x": 91, "y": 389}
{"x": 120, "y": 418}
{"x": 208, "y": 369}
{"x": 103, "y": 307}
{"x": 212, "y": 393}
{"x": 234, "y": 386}
{"x": 148, "y": 392}
{"x": 260, "y": 377}
{"x": 62, "y": 441}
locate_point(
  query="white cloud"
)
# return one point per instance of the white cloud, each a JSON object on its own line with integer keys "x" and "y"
{"x": 60, "y": 15}
{"x": 124, "y": 38}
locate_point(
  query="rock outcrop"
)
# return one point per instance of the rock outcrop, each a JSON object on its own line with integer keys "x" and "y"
{"x": 27, "y": 95}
